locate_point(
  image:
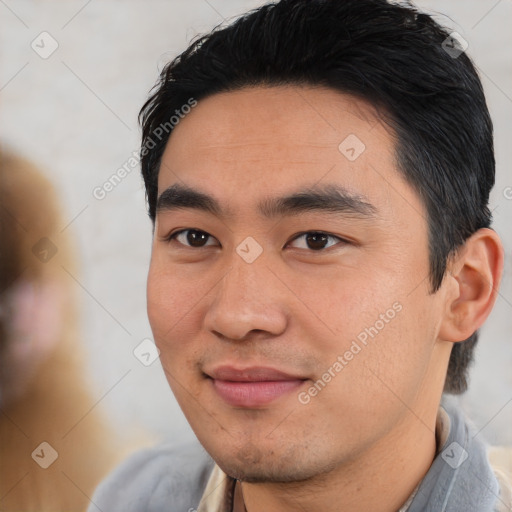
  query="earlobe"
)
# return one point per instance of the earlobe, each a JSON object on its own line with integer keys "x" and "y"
{"x": 474, "y": 276}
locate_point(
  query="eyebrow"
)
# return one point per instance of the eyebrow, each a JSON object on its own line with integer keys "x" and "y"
{"x": 329, "y": 198}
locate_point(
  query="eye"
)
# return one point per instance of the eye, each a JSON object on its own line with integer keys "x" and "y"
{"x": 316, "y": 240}
{"x": 312, "y": 240}
{"x": 192, "y": 238}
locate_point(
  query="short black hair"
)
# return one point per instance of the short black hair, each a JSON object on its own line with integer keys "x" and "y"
{"x": 388, "y": 54}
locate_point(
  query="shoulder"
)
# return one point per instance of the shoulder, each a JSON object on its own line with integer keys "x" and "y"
{"x": 164, "y": 477}
{"x": 501, "y": 461}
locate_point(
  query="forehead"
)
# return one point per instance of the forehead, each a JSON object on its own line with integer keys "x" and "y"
{"x": 263, "y": 141}
{"x": 305, "y": 119}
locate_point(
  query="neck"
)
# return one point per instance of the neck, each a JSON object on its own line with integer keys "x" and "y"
{"x": 380, "y": 479}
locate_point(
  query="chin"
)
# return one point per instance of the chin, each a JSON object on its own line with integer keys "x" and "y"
{"x": 269, "y": 473}
{"x": 257, "y": 465}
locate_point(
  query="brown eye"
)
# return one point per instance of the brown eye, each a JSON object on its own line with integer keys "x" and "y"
{"x": 315, "y": 240}
{"x": 193, "y": 238}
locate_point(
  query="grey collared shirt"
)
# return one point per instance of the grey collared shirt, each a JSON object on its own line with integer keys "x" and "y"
{"x": 186, "y": 479}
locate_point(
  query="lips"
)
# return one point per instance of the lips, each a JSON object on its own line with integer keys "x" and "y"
{"x": 252, "y": 387}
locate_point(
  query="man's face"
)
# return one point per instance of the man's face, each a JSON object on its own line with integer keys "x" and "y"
{"x": 294, "y": 318}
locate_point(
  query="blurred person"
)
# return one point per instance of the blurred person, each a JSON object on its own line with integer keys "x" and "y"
{"x": 43, "y": 392}
{"x": 318, "y": 175}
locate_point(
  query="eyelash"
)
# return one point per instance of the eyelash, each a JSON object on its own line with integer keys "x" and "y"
{"x": 173, "y": 236}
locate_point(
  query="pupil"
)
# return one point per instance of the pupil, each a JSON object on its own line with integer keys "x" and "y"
{"x": 316, "y": 241}
{"x": 196, "y": 238}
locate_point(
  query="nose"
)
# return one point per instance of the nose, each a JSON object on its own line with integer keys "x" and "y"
{"x": 248, "y": 300}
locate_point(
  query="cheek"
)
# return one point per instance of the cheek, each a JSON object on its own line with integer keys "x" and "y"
{"x": 176, "y": 304}
{"x": 376, "y": 326}
{"x": 171, "y": 294}
{"x": 162, "y": 303}
{"x": 170, "y": 300}
{"x": 171, "y": 309}
{"x": 386, "y": 352}
{"x": 343, "y": 306}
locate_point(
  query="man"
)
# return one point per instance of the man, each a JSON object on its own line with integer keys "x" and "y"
{"x": 318, "y": 174}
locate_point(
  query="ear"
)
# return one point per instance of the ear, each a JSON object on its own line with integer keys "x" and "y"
{"x": 473, "y": 278}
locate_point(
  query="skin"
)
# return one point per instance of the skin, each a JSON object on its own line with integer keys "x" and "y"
{"x": 297, "y": 309}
